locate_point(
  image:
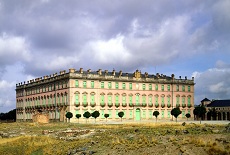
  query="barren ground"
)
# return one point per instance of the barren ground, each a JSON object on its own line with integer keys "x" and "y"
{"x": 109, "y": 139}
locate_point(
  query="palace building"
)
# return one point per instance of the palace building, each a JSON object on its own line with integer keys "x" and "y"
{"x": 216, "y": 109}
{"x": 137, "y": 95}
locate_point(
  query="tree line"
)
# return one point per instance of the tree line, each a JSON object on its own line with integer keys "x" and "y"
{"x": 11, "y": 115}
{"x": 199, "y": 111}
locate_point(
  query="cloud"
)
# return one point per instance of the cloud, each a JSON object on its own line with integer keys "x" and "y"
{"x": 6, "y": 96}
{"x": 213, "y": 83}
{"x": 13, "y": 48}
{"x": 43, "y": 37}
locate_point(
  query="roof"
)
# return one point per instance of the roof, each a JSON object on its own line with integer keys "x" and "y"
{"x": 219, "y": 103}
{"x": 205, "y": 99}
{"x": 117, "y": 74}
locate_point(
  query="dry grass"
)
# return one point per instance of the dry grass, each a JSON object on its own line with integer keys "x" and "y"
{"x": 118, "y": 139}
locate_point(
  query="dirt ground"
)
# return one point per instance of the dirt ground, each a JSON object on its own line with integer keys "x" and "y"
{"x": 110, "y": 139}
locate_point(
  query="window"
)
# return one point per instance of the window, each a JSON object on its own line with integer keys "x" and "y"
{"x": 162, "y": 114}
{"x": 189, "y": 101}
{"x": 63, "y": 99}
{"x": 92, "y": 84}
{"x": 130, "y": 86}
{"x": 109, "y": 85}
{"x": 102, "y": 113}
{"x": 102, "y": 99}
{"x": 102, "y": 84}
{"x": 189, "y": 89}
{"x": 123, "y": 99}
{"x": 150, "y": 113}
{"x": 130, "y": 113}
{"x": 169, "y": 103}
{"x": 156, "y": 87}
{"x": 162, "y": 100}
{"x": 137, "y": 99}
{"x": 84, "y": 84}
{"x": 168, "y": 87}
{"x": 92, "y": 98}
{"x": 84, "y": 98}
{"x": 117, "y": 100}
{"x": 144, "y": 100}
{"x": 76, "y": 98}
{"x": 143, "y": 86}
{"x": 76, "y": 83}
{"x": 110, "y": 99}
{"x": 177, "y": 101}
{"x": 44, "y": 89}
{"x": 177, "y": 87}
{"x": 169, "y": 114}
{"x": 117, "y": 85}
{"x": 130, "y": 100}
{"x": 156, "y": 99}
{"x": 183, "y": 88}
{"x": 150, "y": 86}
{"x": 162, "y": 87}
{"x": 183, "y": 101}
{"x": 123, "y": 86}
{"x": 150, "y": 100}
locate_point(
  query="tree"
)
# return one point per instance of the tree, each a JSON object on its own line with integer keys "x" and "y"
{"x": 69, "y": 115}
{"x": 86, "y": 115}
{"x": 106, "y": 116}
{"x": 95, "y": 114}
{"x": 11, "y": 115}
{"x": 78, "y": 116}
{"x": 176, "y": 112}
{"x": 199, "y": 111}
{"x": 156, "y": 113}
{"x": 188, "y": 115}
{"x": 121, "y": 114}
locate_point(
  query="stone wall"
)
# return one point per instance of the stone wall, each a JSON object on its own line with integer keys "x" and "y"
{"x": 40, "y": 118}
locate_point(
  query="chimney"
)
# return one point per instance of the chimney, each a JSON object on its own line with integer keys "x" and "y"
{"x": 157, "y": 75}
{"x": 172, "y": 76}
{"x": 81, "y": 70}
{"x": 71, "y": 70}
{"x": 113, "y": 72}
{"x": 106, "y": 71}
{"x": 185, "y": 77}
{"x": 120, "y": 73}
{"x": 89, "y": 70}
{"x": 99, "y": 71}
{"x": 146, "y": 74}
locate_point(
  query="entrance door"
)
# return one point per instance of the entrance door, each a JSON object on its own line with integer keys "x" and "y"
{"x": 138, "y": 114}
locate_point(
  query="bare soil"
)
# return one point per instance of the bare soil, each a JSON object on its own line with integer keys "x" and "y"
{"x": 133, "y": 139}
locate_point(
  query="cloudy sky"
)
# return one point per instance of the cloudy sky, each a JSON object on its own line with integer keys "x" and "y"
{"x": 188, "y": 38}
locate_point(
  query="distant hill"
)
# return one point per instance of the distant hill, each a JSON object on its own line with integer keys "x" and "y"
{"x": 11, "y": 115}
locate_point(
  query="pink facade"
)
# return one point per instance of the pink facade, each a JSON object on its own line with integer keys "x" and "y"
{"x": 137, "y": 95}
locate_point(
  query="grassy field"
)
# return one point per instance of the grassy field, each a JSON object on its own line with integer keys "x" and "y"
{"x": 146, "y": 138}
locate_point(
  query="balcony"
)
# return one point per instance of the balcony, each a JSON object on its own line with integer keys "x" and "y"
{"x": 85, "y": 104}
{"x": 92, "y": 104}
{"x": 102, "y": 104}
{"x": 77, "y": 104}
{"x": 110, "y": 104}
{"x": 124, "y": 104}
{"x": 117, "y": 105}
